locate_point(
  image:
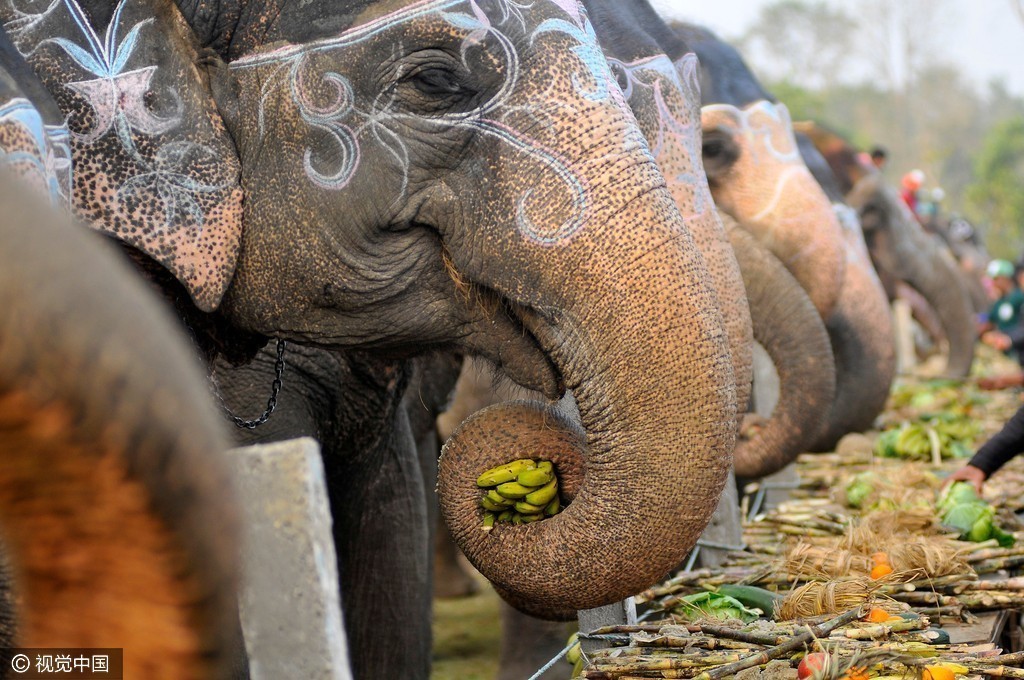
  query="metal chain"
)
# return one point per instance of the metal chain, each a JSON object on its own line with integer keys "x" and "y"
{"x": 275, "y": 389}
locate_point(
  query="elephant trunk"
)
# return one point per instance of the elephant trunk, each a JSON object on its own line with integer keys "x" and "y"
{"x": 861, "y": 332}
{"x": 787, "y": 325}
{"x": 634, "y": 330}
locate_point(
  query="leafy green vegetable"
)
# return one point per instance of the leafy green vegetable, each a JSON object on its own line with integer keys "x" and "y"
{"x": 956, "y": 493}
{"x": 859, "y": 488}
{"x": 965, "y": 512}
{"x": 709, "y": 605}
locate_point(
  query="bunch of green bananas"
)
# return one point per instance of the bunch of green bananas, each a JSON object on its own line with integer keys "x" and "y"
{"x": 519, "y": 492}
{"x": 950, "y": 435}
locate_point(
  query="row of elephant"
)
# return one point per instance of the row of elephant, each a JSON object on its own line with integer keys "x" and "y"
{"x": 392, "y": 186}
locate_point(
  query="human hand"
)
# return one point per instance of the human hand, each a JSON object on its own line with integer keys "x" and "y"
{"x": 1001, "y": 382}
{"x": 968, "y": 473}
{"x": 1000, "y": 341}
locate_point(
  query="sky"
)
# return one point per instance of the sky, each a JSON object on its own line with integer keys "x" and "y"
{"x": 984, "y": 37}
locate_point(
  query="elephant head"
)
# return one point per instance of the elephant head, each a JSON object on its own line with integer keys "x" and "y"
{"x": 756, "y": 174}
{"x": 900, "y": 249}
{"x": 481, "y": 185}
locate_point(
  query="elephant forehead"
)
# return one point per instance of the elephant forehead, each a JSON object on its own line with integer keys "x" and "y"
{"x": 463, "y": 14}
{"x": 763, "y": 124}
{"x": 545, "y": 74}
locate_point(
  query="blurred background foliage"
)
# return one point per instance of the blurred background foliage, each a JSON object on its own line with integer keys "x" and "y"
{"x": 876, "y": 71}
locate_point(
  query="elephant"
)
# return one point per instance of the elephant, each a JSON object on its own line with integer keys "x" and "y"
{"x": 900, "y": 249}
{"x": 119, "y": 521}
{"x": 860, "y": 328}
{"x": 662, "y": 92}
{"x": 758, "y": 178}
{"x": 432, "y": 204}
{"x": 756, "y": 173}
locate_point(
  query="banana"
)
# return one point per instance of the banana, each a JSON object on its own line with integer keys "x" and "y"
{"x": 531, "y": 517}
{"x": 489, "y": 518}
{"x": 517, "y": 518}
{"x": 538, "y": 476}
{"x": 528, "y": 509}
{"x": 573, "y": 643}
{"x": 504, "y": 473}
{"x": 487, "y": 504}
{"x": 505, "y": 516}
{"x": 514, "y": 490}
{"x": 498, "y": 499}
{"x": 544, "y": 494}
{"x": 553, "y": 507}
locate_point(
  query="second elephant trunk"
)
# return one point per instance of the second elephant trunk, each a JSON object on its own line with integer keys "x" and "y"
{"x": 788, "y": 326}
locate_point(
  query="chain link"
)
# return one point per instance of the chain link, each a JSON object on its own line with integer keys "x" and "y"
{"x": 275, "y": 389}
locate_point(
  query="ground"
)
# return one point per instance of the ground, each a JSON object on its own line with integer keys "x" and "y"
{"x": 467, "y": 632}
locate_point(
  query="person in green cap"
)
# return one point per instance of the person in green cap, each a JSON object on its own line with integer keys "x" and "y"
{"x": 1003, "y": 329}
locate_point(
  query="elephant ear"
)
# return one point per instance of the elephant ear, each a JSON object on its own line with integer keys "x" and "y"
{"x": 153, "y": 164}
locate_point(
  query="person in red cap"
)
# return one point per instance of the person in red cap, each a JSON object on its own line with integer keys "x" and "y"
{"x": 910, "y": 183}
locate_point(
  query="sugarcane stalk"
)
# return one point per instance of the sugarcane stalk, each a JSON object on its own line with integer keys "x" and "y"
{"x": 989, "y": 566}
{"x": 638, "y": 628}
{"x": 925, "y": 597}
{"x": 991, "y": 599}
{"x": 798, "y": 641}
{"x": 1012, "y": 659}
{"x": 871, "y": 631}
{"x": 955, "y": 611}
{"x": 1016, "y": 583}
{"x": 644, "y": 663}
{"x": 993, "y": 553}
{"x": 749, "y": 637}
{"x": 996, "y": 671}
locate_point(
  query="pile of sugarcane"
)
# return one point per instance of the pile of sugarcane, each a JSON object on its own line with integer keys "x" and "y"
{"x": 842, "y": 647}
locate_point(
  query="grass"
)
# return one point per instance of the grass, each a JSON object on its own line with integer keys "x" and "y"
{"x": 467, "y": 633}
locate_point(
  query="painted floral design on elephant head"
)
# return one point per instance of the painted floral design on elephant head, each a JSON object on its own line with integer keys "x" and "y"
{"x": 318, "y": 79}
{"x": 764, "y": 131}
{"x": 766, "y": 126}
{"x": 37, "y": 152}
{"x": 115, "y": 94}
{"x": 672, "y": 90}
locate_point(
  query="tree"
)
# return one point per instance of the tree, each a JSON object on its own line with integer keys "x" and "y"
{"x": 799, "y": 41}
{"x": 997, "y": 195}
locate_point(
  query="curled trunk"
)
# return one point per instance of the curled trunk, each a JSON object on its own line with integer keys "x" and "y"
{"x": 787, "y": 325}
{"x": 635, "y": 332}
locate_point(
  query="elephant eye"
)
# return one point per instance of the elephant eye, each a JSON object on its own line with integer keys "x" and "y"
{"x": 435, "y": 82}
{"x": 434, "y": 86}
{"x": 720, "y": 152}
